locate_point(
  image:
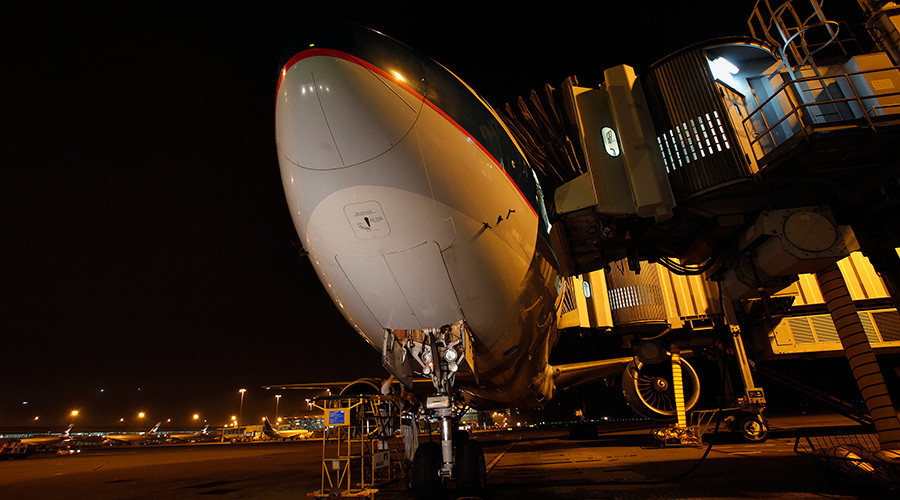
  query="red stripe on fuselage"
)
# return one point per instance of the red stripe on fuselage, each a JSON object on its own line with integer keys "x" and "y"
{"x": 317, "y": 52}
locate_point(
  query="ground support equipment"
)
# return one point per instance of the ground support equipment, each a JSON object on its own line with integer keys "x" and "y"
{"x": 360, "y": 447}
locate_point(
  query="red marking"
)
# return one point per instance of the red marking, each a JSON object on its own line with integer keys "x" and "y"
{"x": 317, "y": 52}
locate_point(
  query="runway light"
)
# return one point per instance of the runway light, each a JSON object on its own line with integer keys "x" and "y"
{"x": 74, "y": 413}
{"x": 140, "y": 414}
{"x": 196, "y": 416}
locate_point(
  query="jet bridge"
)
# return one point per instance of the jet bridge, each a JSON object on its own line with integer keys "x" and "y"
{"x": 686, "y": 161}
{"x": 748, "y": 161}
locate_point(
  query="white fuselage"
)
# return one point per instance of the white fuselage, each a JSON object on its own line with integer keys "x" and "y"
{"x": 129, "y": 438}
{"x": 410, "y": 222}
{"x": 44, "y": 440}
{"x": 293, "y": 433}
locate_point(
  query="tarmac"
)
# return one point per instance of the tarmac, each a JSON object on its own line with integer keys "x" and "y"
{"x": 619, "y": 463}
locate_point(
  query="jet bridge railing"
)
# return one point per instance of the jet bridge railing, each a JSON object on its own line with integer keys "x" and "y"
{"x": 862, "y": 108}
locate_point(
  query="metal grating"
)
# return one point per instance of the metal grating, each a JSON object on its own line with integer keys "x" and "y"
{"x": 888, "y": 323}
{"x": 803, "y": 334}
{"x": 869, "y": 328}
{"x": 635, "y": 298}
{"x": 824, "y": 329}
{"x": 696, "y": 140}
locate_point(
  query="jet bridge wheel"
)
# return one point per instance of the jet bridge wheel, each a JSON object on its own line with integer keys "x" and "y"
{"x": 426, "y": 482}
{"x": 649, "y": 391}
{"x": 753, "y": 428}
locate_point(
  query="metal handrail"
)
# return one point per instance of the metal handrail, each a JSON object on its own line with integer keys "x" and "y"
{"x": 794, "y": 108}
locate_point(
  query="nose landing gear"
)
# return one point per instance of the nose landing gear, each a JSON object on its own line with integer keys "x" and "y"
{"x": 462, "y": 460}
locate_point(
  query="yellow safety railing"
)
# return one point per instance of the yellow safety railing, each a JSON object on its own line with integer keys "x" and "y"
{"x": 360, "y": 448}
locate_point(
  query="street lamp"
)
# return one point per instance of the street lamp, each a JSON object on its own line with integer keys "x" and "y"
{"x": 277, "y": 399}
{"x": 241, "y": 412}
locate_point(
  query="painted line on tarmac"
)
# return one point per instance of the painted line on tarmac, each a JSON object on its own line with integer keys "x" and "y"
{"x": 496, "y": 459}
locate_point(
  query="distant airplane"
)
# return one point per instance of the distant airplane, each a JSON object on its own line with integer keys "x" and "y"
{"x": 133, "y": 438}
{"x": 189, "y": 436}
{"x": 285, "y": 432}
{"x": 49, "y": 439}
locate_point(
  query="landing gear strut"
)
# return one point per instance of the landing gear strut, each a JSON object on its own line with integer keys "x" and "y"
{"x": 439, "y": 354}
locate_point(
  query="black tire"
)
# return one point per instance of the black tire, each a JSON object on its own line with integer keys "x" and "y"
{"x": 470, "y": 470}
{"x": 426, "y": 482}
{"x": 753, "y": 428}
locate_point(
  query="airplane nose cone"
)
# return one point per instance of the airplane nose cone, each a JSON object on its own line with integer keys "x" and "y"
{"x": 335, "y": 111}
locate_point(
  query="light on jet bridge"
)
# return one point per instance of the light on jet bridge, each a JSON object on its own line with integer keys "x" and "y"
{"x": 724, "y": 71}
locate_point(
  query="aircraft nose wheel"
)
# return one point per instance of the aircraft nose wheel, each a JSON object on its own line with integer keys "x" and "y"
{"x": 426, "y": 480}
{"x": 471, "y": 473}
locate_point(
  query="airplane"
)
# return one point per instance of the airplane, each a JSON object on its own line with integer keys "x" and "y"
{"x": 189, "y": 436}
{"x": 50, "y": 439}
{"x": 133, "y": 438}
{"x": 426, "y": 224}
{"x": 284, "y": 433}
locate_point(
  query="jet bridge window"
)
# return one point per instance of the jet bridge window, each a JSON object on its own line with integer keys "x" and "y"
{"x": 693, "y": 140}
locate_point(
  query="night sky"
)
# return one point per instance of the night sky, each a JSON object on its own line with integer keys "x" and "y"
{"x": 147, "y": 258}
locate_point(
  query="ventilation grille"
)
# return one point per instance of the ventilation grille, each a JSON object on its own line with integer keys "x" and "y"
{"x": 635, "y": 298}
{"x": 824, "y": 328}
{"x": 802, "y": 332}
{"x": 568, "y": 302}
{"x": 880, "y": 327}
{"x": 888, "y": 323}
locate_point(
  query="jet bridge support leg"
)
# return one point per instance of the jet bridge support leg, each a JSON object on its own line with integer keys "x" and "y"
{"x": 678, "y": 383}
{"x": 752, "y": 426}
{"x": 749, "y": 421}
{"x": 859, "y": 353}
{"x": 680, "y": 432}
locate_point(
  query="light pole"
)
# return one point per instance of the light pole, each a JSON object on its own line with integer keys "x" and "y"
{"x": 277, "y": 399}
{"x": 241, "y": 412}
